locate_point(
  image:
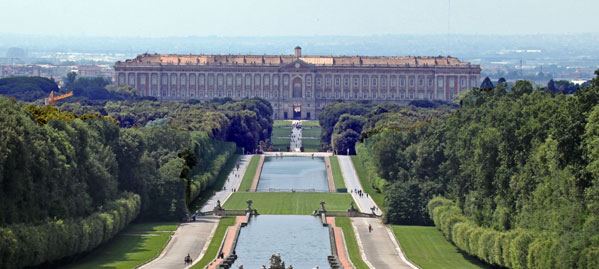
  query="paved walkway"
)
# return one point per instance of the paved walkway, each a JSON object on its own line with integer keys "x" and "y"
{"x": 331, "y": 181}
{"x": 296, "y": 137}
{"x": 189, "y": 238}
{"x": 229, "y": 241}
{"x": 379, "y": 246}
{"x": 352, "y": 183}
{"x": 193, "y": 237}
{"x": 234, "y": 179}
{"x": 340, "y": 244}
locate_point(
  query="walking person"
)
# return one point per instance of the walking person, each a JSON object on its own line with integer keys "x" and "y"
{"x": 369, "y": 228}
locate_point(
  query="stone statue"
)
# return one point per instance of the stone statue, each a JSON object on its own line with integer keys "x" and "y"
{"x": 322, "y": 205}
{"x": 218, "y": 204}
{"x": 352, "y": 208}
{"x": 276, "y": 262}
{"x": 249, "y": 202}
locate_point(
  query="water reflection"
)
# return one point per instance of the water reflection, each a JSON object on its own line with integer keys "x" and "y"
{"x": 293, "y": 173}
{"x": 302, "y": 241}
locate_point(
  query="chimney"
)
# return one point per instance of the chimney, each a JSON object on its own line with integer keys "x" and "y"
{"x": 298, "y": 52}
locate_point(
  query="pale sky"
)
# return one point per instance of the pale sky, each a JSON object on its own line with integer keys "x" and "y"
{"x": 160, "y": 18}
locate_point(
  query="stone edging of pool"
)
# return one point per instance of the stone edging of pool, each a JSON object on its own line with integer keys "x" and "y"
{"x": 327, "y": 162}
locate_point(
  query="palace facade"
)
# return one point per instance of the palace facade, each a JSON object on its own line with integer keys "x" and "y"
{"x": 297, "y": 86}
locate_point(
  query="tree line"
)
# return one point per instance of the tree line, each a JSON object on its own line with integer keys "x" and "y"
{"x": 518, "y": 168}
{"x": 69, "y": 181}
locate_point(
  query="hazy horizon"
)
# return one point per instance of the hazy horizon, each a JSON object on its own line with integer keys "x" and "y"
{"x": 276, "y": 18}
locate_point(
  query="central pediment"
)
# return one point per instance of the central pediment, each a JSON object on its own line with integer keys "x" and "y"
{"x": 297, "y": 65}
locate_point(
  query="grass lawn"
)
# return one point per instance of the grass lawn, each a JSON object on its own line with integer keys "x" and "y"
{"x": 361, "y": 171}
{"x": 280, "y": 144}
{"x": 310, "y": 123}
{"x": 280, "y": 136}
{"x": 280, "y": 132}
{"x": 212, "y": 250}
{"x": 288, "y": 203}
{"x": 135, "y": 245}
{"x": 337, "y": 176}
{"x": 311, "y": 144}
{"x": 281, "y": 123}
{"x": 426, "y": 246}
{"x": 250, "y": 172}
{"x": 312, "y": 132}
{"x": 350, "y": 242}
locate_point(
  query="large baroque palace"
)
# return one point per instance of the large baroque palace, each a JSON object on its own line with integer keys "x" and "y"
{"x": 297, "y": 86}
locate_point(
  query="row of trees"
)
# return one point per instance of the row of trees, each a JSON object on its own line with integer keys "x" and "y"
{"x": 523, "y": 159}
{"x": 65, "y": 168}
{"x": 245, "y": 122}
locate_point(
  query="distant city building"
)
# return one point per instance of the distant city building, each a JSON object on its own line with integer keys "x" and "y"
{"x": 298, "y": 86}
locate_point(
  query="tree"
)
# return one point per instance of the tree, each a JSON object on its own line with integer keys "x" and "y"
{"x": 71, "y": 77}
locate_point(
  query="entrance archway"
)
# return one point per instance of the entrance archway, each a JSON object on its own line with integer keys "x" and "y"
{"x": 297, "y": 112}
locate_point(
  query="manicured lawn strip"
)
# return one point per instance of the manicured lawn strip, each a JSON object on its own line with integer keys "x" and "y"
{"x": 218, "y": 184}
{"x": 136, "y": 245}
{"x": 280, "y": 143}
{"x": 426, "y": 246}
{"x": 280, "y": 132}
{"x": 310, "y": 123}
{"x": 337, "y": 176}
{"x": 313, "y": 144}
{"x": 250, "y": 172}
{"x": 351, "y": 243}
{"x": 281, "y": 123}
{"x": 312, "y": 132}
{"x": 288, "y": 203}
{"x": 361, "y": 171}
{"x": 212, "y": 250}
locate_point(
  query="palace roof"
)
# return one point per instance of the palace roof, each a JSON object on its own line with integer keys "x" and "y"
{"x": 280, "y": 60}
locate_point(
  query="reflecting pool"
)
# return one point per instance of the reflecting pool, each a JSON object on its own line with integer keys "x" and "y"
{"x": 302, "y": 242}
{"x": 286, "y": 173}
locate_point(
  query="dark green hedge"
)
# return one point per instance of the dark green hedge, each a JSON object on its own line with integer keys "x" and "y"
{"x": 517, "y": 248}
{"x": 29, "y": 245}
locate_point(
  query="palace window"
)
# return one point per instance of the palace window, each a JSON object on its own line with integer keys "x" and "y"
{"x": 401, "y": 96}
{"x": 308, "y": 80}
{"x": 266, "y": 80}
{"x": 265, "y": 94}
{"x": 285, "y": 94}
{"x": 238, "y": 93}
{"x": 229, "y": 80}
{"x": 220, "y": 93}
{"x": 402, "y": 82}
{"x": 328, "y": 95}
{"x": 365, "y": 95}
{"x": 308, "y": 94}
{"x": 421, "y": 82}
{"x": 383, "y": 95}
{"x": 346, "y": 81}
{"x": 220, "y": 80}
{"x": 230, "y": 93}
{"x": 257, "y": 93}
{"x": 317, "y": 94}
{"x": 318, "y": 81}
{"x": 430, "y": 82}
{"x": 440, "y": 83}
{"x": 356, "y": 95}
{"x": 411, "y": 82}
{"x": 337, "y": 94}
{"x": 248, "y": 81}
{"x": 392, "y": 95}
{"x": 392, "y": 82}
{"x": 276, "y": 93}
{"x": 373, "y": 81}
{"x": 336, "y": 81}
{"x": 285, "y": 81}
{"x": 356, "y": 81}
{"x": 383, "y": 82}
{"x": 346, "y": 95}
{"x": 192, "y": 80}
{"x": 440, "y": 95}
{"x": 411, "y": 95}
{"x": 451, "y": 83}
{"x": 365, "y": 81}
{"x": 183, "y": 79}
{"x": 463, "y": 82}
{"x": 328, "y": 81}
{"x": 238, "y": 79}
{"x": 142, "y": 79}
{"x": 257, "y": 80}
{"x": 210, "y": 81}
{"x": 373, "y": 95}
{"x": 275, "y": 81}
{"x": 201, "y": 80}
{"x": 154, "y": 78}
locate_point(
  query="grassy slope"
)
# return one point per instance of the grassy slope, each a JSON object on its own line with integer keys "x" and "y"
{"x": 337, "y": 176}
{"x": 287, "y": 203}
{"x": 137, "y": 244}
{"x": 427, "y": 247}
{"x": 281, "y": 123}
{"x": 218, "y": 184}
{"x": 280, "y": 137}
{"x": 310, "y": 123}
{"x": 351, "y": 243}
{"x": 311, "y": 129}
{"x": 212, "y": 250}
{"x": 246, "y": 182}
{"x": 377, "y": 197}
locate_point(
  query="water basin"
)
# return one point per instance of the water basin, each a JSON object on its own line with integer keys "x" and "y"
{"x": 287, "y": 173}
{"x": 302, "y": 242}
